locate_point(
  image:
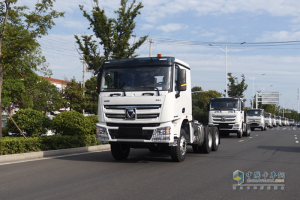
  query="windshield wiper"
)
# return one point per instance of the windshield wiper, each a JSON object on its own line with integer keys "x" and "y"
{"x": 124, "y": 92}
{"x": 156, "y": 88}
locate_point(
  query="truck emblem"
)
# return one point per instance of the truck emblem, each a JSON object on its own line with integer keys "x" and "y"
{"x": 130, "y": 113}
{"x": 223, "y": 119}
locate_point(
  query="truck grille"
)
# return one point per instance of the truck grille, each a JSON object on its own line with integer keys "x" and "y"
{"x": 131, "y": 133}
{"x": 227, "y": 118}
{"x": 142, "y": 111}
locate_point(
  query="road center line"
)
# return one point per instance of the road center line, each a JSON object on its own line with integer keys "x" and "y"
{"x": 241, "y": 140}
{"x": 250, "y": 137}
{"x": 297, "y": 141}
{"x": 296, "y": 138}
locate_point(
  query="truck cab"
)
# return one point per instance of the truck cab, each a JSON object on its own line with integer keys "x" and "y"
{"x": 278, "y": 121}
{"x": 227, "y": 113}
{"x": 268, "y": 120}
{"x": 147, "y": 103}
{"x": 273, "y": 120}
{"x": 255, "y": 117}
{"x": 283, "y": 121}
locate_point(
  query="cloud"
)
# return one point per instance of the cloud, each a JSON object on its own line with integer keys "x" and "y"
{"x": 279, "y": 36}
{"x": 146, "y": 26}
{"x": 171, "y": 27}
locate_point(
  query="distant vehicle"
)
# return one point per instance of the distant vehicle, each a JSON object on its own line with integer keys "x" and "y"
{"x": 287, "y": 121}
{"x": 273, "y": 117}
{"x": 291, "y": 122}
{"x": 268, "y": 120}
{"x": 255, "y": 117}
{"x": 283, "y": 121}
{"x": 278, "y": 121}
{"x": 227, "y": 113}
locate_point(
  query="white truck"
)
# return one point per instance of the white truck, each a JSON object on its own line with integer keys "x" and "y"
{"x": 147, "y": 103}
{"x": 268, "y": 120}
{"x": 256, "y": 119}
{"x": 278, "y": 121}
{"x": 227, "y": 113}
{"x": 283, "y": 121}
{"x": 291, "y": 122}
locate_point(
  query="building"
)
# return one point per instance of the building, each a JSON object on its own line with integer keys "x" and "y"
{"x": 60, "y": 84}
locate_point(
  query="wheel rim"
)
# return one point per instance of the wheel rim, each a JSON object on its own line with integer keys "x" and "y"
{"x": 209, "y": 140}
{"x": 217, "y": 138}
{"x": 183, "y": 145}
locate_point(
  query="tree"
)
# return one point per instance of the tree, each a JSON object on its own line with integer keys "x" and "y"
{"x": 19, "y": 29}
{"x": 92, "y": 105}
{"x": 236, "y": 88}
{"x": 114, "y": 34}
{"x": 73, "y": 96}
{"x": 199, "y": 102}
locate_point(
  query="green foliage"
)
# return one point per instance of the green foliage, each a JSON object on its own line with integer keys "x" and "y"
{"x": 73, "y": 123}
{"x": 73, "y": 96}
{"x": 31, "y": 121}
{"x": 93, "y": 119}
{"x": 236, "y": 88}
{"x": 114, "y": 34}
{"x": 92, "y": 104}
{"x": 199, "y": 102}
{"x": 20, "y": 52}
{"x": 11, "y": 145}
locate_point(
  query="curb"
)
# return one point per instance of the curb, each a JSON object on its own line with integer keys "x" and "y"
{"x": 51, "y": 153}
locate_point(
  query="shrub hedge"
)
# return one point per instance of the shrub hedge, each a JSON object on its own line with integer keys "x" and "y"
{"x": 74, "y": 123}
{"x": 11, "y": 145}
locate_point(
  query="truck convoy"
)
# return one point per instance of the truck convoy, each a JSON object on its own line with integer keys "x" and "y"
{"x": 228, "y": 115}
{"x": 255, "y": 117}
{"x": 147, "y": 103}
{"x": 273, "y": 117}
{"x": 283, "y": 121}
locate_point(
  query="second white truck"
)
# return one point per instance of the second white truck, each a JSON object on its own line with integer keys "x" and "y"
{"x": 256, "y": 119}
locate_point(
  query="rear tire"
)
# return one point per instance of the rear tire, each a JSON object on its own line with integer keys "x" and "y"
{"x": 178, "y": 153}
{"x": 207, "y": 144}
{"x": 215, "y": 139}
{"x": 119, "y": 151}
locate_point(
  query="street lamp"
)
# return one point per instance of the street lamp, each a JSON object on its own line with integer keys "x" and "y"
{"x": 253, "y": 78}
{"x": 226, "y": 51}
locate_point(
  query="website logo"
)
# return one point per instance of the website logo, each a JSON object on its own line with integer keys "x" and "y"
{"x": 238, "y": 176}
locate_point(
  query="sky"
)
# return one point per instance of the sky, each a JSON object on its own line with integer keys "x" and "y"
{"x": 184, "y": 29}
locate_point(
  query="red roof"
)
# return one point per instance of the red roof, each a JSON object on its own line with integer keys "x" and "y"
{"x": 53, "y": 80}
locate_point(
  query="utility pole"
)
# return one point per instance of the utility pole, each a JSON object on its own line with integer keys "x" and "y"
{"x": 83, "y": 78}
{"x": 151, "y": 41}
{"x": 298, "y": 102}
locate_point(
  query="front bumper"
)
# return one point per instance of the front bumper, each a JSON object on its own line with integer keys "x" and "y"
{"x": 151, "y": 133}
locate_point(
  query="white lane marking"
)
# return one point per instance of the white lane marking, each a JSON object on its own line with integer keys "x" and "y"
{"x": 250, "y": 137}
{"x": 46, "y": 158}
{"x": 297, "y": 141}
{"x": 296, "y": 138}
{"x": 257, "y": 135}
{"x": 295, "y": 135}
{"x": 241, "y": 140}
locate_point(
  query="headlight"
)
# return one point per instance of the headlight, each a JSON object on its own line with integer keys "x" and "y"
{"x": 236, "y": 126}
{"x": 161, "y": 134}
{"x": 101, "y": 134}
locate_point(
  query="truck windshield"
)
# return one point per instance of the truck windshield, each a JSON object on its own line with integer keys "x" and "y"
{"x": 224, "y": 104}
{"x": 136, "y": 78}
{"x": 282, "y": 118}
{"x": 277, "y": 117}
{"x": 267, "y": 115}
{"x": 254, "y": 112}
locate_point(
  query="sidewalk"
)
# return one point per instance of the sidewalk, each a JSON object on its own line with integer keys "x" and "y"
{"x": 51, "y": 153}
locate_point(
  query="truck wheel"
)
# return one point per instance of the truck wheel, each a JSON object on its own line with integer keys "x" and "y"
{"x": 240, "y": 134}
{"x": 262, "y": 128}
{"x": 215, "y": 139}
{"x": 207, "y": 144}
{"x": 245, "y": 131}
{"x": 249, "y": 131}
{"x": 178, "y": 153}
{"x": 119, "y": 151}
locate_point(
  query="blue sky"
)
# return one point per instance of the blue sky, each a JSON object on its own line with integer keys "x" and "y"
{"x": 208, "y": 21}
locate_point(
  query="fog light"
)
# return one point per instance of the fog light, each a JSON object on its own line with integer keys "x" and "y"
{"x": 161, "y": 134}
{"x": 102, "y": 134}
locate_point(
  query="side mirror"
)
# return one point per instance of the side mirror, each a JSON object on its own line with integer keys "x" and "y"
{"x": 98, "y": 82}
{"x": 181, "y": 80}
{"x": 243, "y": 106}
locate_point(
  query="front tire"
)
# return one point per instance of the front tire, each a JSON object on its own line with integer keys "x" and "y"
{"x": 119, "y": 151}
{"x": 178, "y": 153}
{"x": 240, "y": 134}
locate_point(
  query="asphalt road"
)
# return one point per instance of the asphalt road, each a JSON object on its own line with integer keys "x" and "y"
{"x": 148, "y": 175}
